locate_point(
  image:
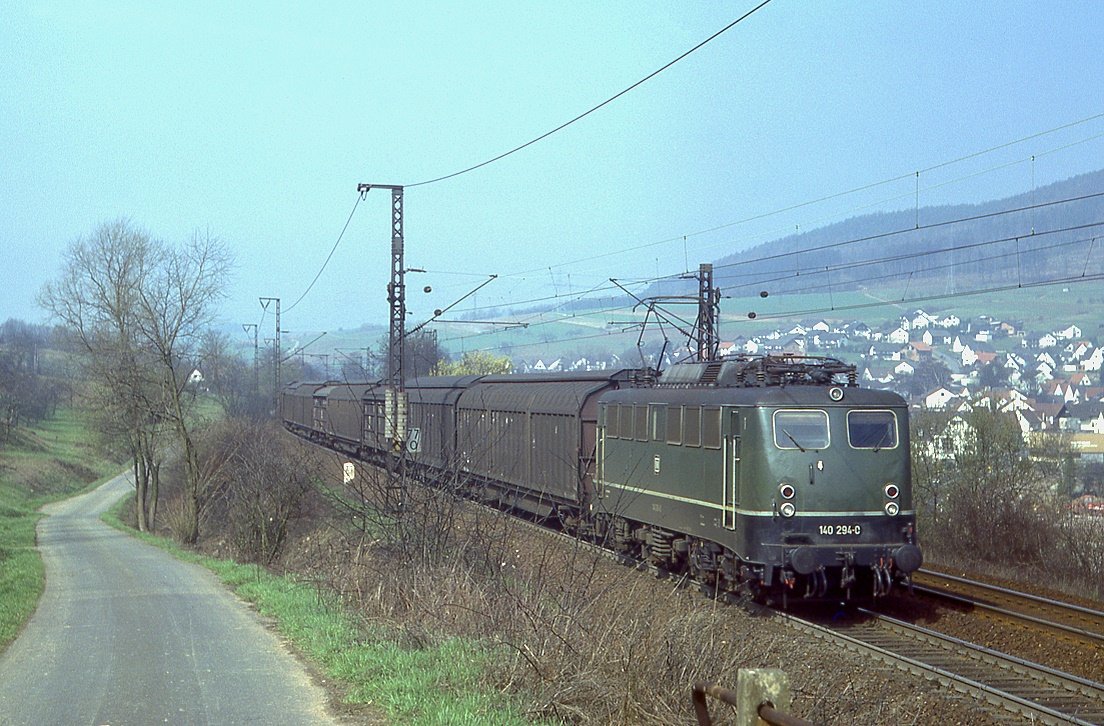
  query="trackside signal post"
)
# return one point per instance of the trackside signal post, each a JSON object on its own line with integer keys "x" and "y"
{"x": 395, "y": 417}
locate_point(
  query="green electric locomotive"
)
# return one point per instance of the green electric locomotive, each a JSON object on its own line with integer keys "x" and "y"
{"x": 774, "y": 475}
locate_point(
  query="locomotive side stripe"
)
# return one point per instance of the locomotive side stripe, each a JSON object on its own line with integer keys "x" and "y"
{"x": 750, "y": 512}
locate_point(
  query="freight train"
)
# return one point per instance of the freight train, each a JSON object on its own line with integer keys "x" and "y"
{"x": 774, "y": 476}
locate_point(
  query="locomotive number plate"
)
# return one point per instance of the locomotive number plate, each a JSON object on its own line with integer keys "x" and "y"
{"x": 841, "y": 529}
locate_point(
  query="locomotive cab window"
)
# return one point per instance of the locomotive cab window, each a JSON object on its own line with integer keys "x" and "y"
{"x": 804, "y": 430}
{"x": 872, "y": 429}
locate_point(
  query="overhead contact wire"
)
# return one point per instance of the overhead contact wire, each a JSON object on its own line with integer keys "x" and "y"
{"x": 609, "y": 100}
{"x": 329, "y": 256}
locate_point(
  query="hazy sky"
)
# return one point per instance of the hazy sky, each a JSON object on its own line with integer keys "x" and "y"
{"x": 256, "y": 121}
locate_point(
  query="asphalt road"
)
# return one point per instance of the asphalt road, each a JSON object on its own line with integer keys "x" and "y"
{"x": 126, "y": 634}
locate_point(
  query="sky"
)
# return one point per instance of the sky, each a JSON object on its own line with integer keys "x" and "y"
{"x": 256, "y": 121}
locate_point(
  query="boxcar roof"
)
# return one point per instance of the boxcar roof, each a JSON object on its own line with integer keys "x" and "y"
{"x": 547, "y": 396}
{"x": 442, "y": 381}
{"x": 301, "y": 388}
{"x": 619, "y": 374}
{"x": 350, "y": 391}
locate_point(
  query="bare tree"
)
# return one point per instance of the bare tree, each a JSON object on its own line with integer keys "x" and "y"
{"x": 136, "y": 308}
{"x": 174, "y": 309}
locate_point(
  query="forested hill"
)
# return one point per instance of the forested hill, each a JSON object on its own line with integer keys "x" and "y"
{"x": 955, "y": 248}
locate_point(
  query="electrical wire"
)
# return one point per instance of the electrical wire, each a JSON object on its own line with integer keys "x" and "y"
{"x": 856, "y": 240}
{"x": 333, "y": 249}
{"x": 855, "y": 190}
{"x": 871, "y": 262}
{"x": 609, "y": 100}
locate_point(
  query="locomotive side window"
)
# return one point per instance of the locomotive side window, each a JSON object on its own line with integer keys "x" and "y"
{"x": 612, "y": 429}
{"x": 691, "y": 426}
{"x": 626, "y": 421}
{"x": 659, "y": 421}
{"x": 807, "y": 429}
{"x": 640, "y": 427}
{"x": 711, "y": 428}
{"x": 872, "y": 429}
{"x": 674, "y": 425}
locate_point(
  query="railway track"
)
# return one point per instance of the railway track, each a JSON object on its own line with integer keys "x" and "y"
{"x": 1015, "y": 686}
{"x": 1065, "y": 619}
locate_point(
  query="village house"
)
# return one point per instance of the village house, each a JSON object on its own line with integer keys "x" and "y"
{"x": 1071, "y": 332}
{"x": 939, "y": 399}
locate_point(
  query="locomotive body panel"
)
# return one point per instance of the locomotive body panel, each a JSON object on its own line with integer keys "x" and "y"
{"x": 796, "y": 479}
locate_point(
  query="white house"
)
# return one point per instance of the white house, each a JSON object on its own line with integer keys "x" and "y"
{"x": 938, "y": 399}
{"x": 1078, "y": 349}
{"x": 899, "y": 335}
{"x": 921, "y": 319}
{"x": 1071, "y": 333}
{"x": 904, "y": 368}
{"x": 1094, "y": 361}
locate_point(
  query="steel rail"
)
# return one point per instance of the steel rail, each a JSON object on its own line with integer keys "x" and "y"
{"x": 1057, "y": 606}
{"x": 1028, "y": 689}
{"x": 1011, "y": 614}
{"x": 1016, "y": 593}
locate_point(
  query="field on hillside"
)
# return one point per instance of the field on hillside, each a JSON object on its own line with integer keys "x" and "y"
{"x": 598, "y": 333}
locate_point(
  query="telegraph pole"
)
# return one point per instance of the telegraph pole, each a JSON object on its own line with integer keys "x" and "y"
{"x": 265, "y": 301}
{"x": 396, "y": 339}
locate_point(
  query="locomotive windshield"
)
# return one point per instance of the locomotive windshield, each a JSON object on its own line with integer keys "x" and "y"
{"x": 872, "y": 429}
{"x": 803, "y": 430}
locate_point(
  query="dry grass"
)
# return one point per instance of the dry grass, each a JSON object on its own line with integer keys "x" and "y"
{"x": 578, "y": 638}
{"x": 586, "y": 640}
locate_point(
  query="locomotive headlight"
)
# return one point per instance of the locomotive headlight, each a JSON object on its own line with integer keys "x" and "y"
{"x": 891, "y": 509}
{"x": 787, "y": 509}
{"x": 787, "y": 491}
{"x": 892, "y": 491}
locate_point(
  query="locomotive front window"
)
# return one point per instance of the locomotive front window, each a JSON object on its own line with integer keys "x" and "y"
{"x": 872, "y": 429}
{"x": 801, "y": 429}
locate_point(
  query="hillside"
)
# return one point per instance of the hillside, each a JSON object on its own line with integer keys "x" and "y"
{"x": 1023, "y": 240}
